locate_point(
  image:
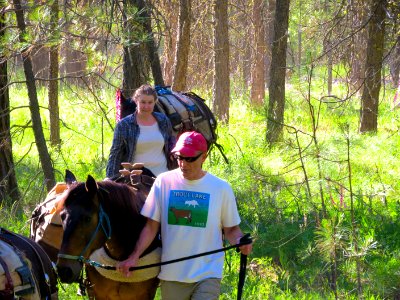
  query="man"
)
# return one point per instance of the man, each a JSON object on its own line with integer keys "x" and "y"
{"x": 192, "y": 207}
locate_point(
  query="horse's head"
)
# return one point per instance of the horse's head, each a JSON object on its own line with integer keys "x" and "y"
{"x": 86, "y": 228}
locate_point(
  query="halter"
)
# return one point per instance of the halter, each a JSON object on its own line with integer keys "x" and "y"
{"x": 107, "y": 231}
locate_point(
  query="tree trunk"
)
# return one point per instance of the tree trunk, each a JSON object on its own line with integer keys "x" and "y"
{"x": 299, "y": 40}
{"x": 151, "y": 44}
{"x": 75, "y": 61}
{"x": 269, "y": 25}
{"x": 53, "y": 83}
{"x": 373, "y": 67}
{"x": 358, "y": 44}
{"x": 395, "y": 63}
{"x": 221, "y": 83}
{"x": 241, "y": 48}
{"x": 276, "y": 104}
{"x": 40, "y": 63}
{"x": 182, "y": 46}
{"x": 257, "y": 93}
{"x": 8, "y": 181}
{"x": 44, "y": 155}
{"x": 134, "y": 69}
{"x": 246, "y": 62}
{"x": 328, "y": 50}
{"x": 329, "y": 66}
{"x": 171, "y": 29}
{"x": 244, "y": 45}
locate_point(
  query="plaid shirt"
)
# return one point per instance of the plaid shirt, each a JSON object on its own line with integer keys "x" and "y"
{"x": 126, "y": 134}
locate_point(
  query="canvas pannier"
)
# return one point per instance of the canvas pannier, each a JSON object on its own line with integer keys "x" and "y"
{"x": 46, "y": 228}
{"x": 14, "y": 268}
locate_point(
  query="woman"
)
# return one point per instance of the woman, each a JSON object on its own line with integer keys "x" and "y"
{"x": 144, "y": 136}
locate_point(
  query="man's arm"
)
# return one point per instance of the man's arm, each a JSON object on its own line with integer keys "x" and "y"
{"x": 147, "y": 235}
{"x": 233, "y": 235}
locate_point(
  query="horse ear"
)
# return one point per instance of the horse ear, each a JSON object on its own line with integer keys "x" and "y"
{"x": 91, "y": 185}
{"x": 69, "y": 177}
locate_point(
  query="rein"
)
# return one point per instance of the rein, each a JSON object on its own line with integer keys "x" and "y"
{"x": 100, "y": 225}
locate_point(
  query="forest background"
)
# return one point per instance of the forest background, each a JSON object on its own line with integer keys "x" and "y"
{"x": 305, "y": 93}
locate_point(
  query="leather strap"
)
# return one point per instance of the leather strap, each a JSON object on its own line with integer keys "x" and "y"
{"x": 242, "y": 275}
{"x": 246, "y": 239}
{"x": 9, "y": 286}
{"x": 25, "y": 272}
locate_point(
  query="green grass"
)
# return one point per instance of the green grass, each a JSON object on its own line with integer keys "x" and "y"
{"x": 279, "y": 195}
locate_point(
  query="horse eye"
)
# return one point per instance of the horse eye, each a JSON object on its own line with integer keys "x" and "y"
{"x": 63, "y": 216}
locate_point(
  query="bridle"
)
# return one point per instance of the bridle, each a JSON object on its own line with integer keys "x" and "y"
{"x": 106, "y": 228}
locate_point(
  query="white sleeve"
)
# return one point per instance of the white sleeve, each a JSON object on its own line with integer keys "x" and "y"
{"x": 230, "y": 215}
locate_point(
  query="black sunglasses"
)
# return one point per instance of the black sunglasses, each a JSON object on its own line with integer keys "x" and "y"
{"x": 188, "y": 159}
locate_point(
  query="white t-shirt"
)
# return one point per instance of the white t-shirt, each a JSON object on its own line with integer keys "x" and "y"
{"x": 192, "y": 214}
{"x": 149, "y": 149}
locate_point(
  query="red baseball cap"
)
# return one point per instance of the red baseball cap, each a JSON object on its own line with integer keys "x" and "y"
{"x": 189, "y": 143}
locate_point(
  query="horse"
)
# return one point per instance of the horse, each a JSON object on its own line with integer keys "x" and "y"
{"x": 101, "y": 223}
{"x": 26, "y": 272}
{"x": 45, "y": 223}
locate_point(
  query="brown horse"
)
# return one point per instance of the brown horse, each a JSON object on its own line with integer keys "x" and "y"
{"x": 26, "y": 271}
{"x": 45, "y": 222}
{"x": 102, "y": 219}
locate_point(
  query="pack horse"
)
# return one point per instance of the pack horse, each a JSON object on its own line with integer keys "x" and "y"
{"x": 26, "y": 272}
{"x": 101, "y": 223}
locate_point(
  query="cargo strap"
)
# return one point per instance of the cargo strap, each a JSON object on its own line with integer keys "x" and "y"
{"x": 8, "y": 292}
{"x": 27, "y": 282}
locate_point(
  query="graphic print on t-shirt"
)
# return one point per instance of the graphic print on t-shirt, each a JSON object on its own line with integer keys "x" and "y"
{"x": 188, "y": 208}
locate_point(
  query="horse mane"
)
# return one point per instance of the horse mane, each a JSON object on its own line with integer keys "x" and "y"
{"x": 120, "y": 193}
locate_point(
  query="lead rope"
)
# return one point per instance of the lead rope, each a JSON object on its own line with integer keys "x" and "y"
{"x": 242, "y": 269}
{"x": 244, "y": 240}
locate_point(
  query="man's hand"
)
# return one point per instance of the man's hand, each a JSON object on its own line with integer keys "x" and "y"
{"x": 234, "y": 234}
{"x": 124, "y": 266}
{"x": 246, "y": 249}
{"x": 146, "y": 237}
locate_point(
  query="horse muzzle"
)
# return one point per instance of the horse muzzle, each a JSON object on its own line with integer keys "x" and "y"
{"x": 68, "y": 271}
